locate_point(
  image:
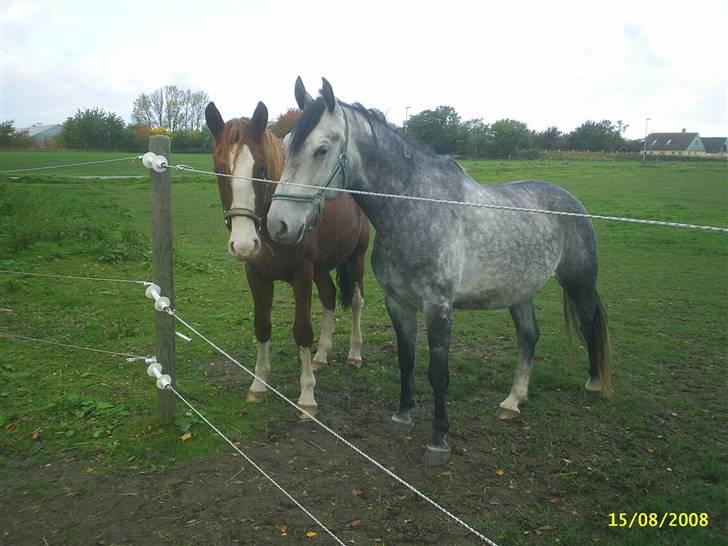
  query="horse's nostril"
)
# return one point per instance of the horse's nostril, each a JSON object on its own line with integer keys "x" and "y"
{"x": 256, "y": 246}
{"x": 282, "y": 229}
{"x": 231, "y": 247}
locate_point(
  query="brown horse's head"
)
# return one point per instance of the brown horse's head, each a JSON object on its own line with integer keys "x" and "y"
{"x": 245, "y": 148}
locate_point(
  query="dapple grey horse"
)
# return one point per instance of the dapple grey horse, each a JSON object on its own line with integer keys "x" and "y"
{"x": 434, "y": 257}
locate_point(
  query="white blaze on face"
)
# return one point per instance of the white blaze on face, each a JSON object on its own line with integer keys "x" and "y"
{"x": 244, "y": 240}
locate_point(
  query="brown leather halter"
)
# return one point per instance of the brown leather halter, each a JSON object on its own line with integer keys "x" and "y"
{"x": 246, "y": 213}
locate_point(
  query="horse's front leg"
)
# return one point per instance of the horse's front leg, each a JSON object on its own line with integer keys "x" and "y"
{"x": 439, "y": 326}
{"x": 303, "y": 334}
{"x": 262, "y": 290}
{"x": 404, "y": 320}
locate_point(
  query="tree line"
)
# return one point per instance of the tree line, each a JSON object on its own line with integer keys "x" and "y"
{"x": 446, "y": 133}
{"x": 180, "y": 113}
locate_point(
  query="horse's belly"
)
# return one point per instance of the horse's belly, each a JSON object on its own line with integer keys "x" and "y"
{"x": 492, "y": 294}
{"x": 492, "y": 282}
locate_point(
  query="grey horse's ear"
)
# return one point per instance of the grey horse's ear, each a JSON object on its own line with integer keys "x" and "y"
{"x": 259, "y": 121}
{"x": 214, "y": 120}
{"x": 302, "y": 96}
{"x": 328, "y": 94}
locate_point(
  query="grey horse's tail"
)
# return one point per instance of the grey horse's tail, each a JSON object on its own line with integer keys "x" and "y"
{"x": 346, "y": 285}
{"x": 597, "y": 333}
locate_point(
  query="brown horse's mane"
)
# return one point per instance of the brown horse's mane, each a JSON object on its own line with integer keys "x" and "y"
{"x": 268, "y": 155}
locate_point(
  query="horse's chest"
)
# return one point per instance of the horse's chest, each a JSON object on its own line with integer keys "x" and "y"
{"x": 414, "y": 272}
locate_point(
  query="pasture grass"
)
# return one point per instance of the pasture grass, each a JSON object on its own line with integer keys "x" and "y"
{"x": 659, "y": 445}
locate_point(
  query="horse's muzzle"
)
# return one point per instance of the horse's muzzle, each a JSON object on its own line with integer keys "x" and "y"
{"x": 281, "y": 232}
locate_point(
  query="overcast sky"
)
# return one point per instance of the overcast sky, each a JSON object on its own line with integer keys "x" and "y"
{"x": 544, "y": 63}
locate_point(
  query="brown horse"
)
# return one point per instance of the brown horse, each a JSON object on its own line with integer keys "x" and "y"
{"x": 245, "y": 148}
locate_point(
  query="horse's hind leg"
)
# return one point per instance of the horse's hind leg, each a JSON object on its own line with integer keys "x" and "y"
{"x": 262, "y": 291}
{"x": 327, "y": 295}
{"x": 355, "y": 264}
{"x": 527, "y": 334}
{"x": 583, "y": 308}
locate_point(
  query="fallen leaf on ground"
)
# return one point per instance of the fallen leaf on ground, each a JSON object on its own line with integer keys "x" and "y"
{"x": 356, "y": 492}
{"x": 356, "y": 523}
{"x": 554, "y": 500}
{"x": 499, "y": 471}
{"x": 284, "y": 528}
{"x": 311, "y": 534}
{"x": 494, "y": 502}
{"x": 186, "y": 436}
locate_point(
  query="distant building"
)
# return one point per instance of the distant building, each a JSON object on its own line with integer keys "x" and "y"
{"x": 686, "y": 145}
{"x": 681, "y": 144}
{"x": 40, "y": 133}
{"x": 715, "y": 146}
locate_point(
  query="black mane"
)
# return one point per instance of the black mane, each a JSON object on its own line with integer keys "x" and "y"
{"x": 307, "y": 122}
{"x": 314, "y": 110}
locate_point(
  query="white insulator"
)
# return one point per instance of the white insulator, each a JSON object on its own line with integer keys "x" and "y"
{"x": 163, "y": 381}
{"x": 153, "y": 291}
{"x": 159, "y": 163}
{"x": 161, "y": 304}
{"x": 154, "y": 370}
{"x": 147, "y": 159}
{"x": 150, "y": 360}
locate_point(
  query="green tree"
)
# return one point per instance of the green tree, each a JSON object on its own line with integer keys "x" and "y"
{"x": 479, "y": 138}
{"x": 93, "y": 128}
{"x": 549, "y": 139}
{"x": 441, "y": 129}
{"x": 603, "y": 136}
{"x": 7, "y": 129}
{"x": 508, "y": 137}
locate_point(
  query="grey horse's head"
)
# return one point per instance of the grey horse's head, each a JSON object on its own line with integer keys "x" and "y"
{"x": 316, "y": 155}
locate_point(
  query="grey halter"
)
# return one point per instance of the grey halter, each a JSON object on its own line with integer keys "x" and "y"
{"x": 316, "y": 198}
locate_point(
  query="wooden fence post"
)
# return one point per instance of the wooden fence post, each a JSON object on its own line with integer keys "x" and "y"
{"x": 162, "y": 256}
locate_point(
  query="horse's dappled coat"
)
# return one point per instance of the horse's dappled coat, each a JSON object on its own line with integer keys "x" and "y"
{"x": 433, "y": 257}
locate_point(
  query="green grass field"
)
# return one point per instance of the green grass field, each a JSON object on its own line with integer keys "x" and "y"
{"x": 659, "y": 446}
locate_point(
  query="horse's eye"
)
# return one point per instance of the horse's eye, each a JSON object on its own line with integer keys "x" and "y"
{"x": 321, "y": 151}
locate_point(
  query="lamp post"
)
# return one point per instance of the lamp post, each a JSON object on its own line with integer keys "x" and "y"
{"x": 644, "y": 148}
{"x": 406, "y": 118}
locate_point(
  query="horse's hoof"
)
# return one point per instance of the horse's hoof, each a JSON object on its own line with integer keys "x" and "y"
{"x": 400, "y": 427}
{"x": 356, "y": 362}
{"x": 436, "y": 455}
{"x": 593, "y": 396}
{"x": 505, "y": 414}
{"x": 310, "y": 412}
{"x": 256, "y": 396}
{"x": 317, "y": 365}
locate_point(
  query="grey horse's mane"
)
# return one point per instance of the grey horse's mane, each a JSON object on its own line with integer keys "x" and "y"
{"x": 377, "y": 122}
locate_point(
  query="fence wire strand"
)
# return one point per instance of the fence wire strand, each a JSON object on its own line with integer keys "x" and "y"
{"x": 129, "y": 356}
{"x": 74, "y": 277}
{"x": 254, "y": 465}
{"x": 49, "y": 167}
{"x": 335, "y": 434}
{"x": 187, "y": 168}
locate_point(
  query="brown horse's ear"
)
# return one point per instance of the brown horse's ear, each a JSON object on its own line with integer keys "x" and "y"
{"x": 328, "y": 94}
{"x": 214, "y": 120}
{"x": 259, "y": 121}
{"x": 302, "y": 96}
